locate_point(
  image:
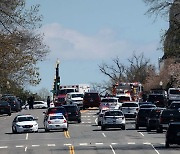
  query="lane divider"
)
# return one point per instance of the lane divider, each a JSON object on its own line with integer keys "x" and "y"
{"x": 66, "y": 134}
{"x": 71, "y": 150}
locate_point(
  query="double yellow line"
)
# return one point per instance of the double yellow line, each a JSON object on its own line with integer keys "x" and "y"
{"x": 66, "y": 134}
{"x": 71, "y": 148}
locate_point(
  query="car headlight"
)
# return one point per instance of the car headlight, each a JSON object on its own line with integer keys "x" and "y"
{"x": 18, "y": 125}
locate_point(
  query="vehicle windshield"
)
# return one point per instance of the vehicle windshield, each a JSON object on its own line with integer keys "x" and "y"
{"x": 70, "y": 108}
{"x": 56, "y": 110}
{"x": 4, "y": 103}
{"x": 174, "y": 91}
{"x": 77, "y": 95}
{"x": 56, "y": 117}
{"x": 129, "y": 105}
{"x": 155, "y": 113}
{"x": 91, "y": 95}
{"x": 113, "y": 113}
{"x": 124, "y": 98}
{"x": 20, "y": 119}
{"x": 155, "y": 97}
{"x": 109, "y": 100}
{"x": 175, "y": 106}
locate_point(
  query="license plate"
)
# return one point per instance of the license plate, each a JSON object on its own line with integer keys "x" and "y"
{"x": 57, "y": 125}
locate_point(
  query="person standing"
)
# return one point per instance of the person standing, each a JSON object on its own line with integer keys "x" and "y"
{"x": 48, "y": 101}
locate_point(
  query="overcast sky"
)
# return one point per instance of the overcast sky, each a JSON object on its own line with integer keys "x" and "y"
{"x": 83, "y": 34}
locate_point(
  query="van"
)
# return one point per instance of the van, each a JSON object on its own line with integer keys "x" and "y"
{"x": 91, "y": 99}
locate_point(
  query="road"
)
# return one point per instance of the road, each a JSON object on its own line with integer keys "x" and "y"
{"x": 83, "y": 138}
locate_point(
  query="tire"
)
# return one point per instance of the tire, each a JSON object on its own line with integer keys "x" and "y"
{"x": 46, "y": 130}
{"x": 167, "y": 144}
{"x": 136, "y": 127}
{"x": 148, "y": 129}
{"x": 79, "y": 120}
{"x": 159, "y": 130}
{"x": 99, "y": 123}
{"x": 14, "y": 131}
{"x": 65, "y": 129}
{"x": 9, "y": 114}
{"x": 103, "y": 128}
{"x": 123, "y": 127}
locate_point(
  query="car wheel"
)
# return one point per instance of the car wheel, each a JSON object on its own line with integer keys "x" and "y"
{"x": 159, "y": 130}
{"x": 65, "y": 129}
{"x": 99, "y": 123}
{"x": 123, "y": 127}
{"x": 46, "y": 130}
{"x": 167, "y": 144}
{"x": 103, "y": 128}
{"x": 79, "y": 120}
{"x": 137, "y": 127}
{"x": 9, "y": 114}
{"x": 148, "y": 129}
{"x": 14, "y": 131}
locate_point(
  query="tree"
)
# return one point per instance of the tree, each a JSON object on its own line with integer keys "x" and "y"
{"x": 21, "y": 47}
{"x": 170, "y": 40}
{"x": 137, "y": 70}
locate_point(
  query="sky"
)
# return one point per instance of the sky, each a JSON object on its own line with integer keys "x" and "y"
{"x": 83, "y": 34}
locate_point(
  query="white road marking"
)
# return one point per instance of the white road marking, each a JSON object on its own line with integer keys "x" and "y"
{"x": 103, "y": 134}
{"x": 27, "y": 136}
{"x": 4, "y": 147}
{"x": 89, "y": 122}
{"x": 99, "y": 143}
{"x": 114, "y": 143}
{"x": 131, "y": 143}
{"x": 83, "y": 144}
{"x": 19, "y": 146}
{"x": 96, "y": 120}
{"x": 25, "y": 149}
{"x": 162, "y": 143}
{"x": 35, "y": 145}
{"x": 67, "y": 144}
{"x": 51, "y": 145}
{"x": 147, "y": 143}
{"x": 155, "y": 149}
{"x": 141, "y": 133}
{"x": 112, "y": 149}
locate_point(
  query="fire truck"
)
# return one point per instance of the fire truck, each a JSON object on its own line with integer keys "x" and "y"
{"x": 133, "y": 89}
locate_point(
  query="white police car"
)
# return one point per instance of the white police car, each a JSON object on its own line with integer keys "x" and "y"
{"x": 24, "y": 123}
{"x": 55, "y": 121}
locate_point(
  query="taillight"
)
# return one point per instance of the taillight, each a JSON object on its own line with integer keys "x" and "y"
{"x": 49, "y": 122}
{"x": 65, "y": 121}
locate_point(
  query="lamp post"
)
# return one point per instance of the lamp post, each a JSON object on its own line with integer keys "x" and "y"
{"x": 161, "y": 84}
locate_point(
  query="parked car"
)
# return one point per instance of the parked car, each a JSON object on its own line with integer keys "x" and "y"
{"x": 13, "y": 102}
{"x": 130, "y": 109}
{"x": 73, "y": 112}
{"x": 91, "y": 99}
{"x": 40, "y": 105}
{"x": 167, "y": 116}
{"x": 55, "y": 121}
{"x": 173, "y": 134}
{"x": 153, "y": 119}
{"x": 113, "y": 119}
{"x": 142, "y": 117}
{"x": 75, "y": 98}
{"x": 24, "y": 123}
{"x": 5, "y": 108}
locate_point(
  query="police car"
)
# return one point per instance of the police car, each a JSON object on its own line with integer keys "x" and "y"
{"x": 24, "y": 123}
{"x": 55, "y": 121}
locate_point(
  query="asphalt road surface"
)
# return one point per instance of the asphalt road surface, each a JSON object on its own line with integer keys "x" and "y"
{"x": 83, "y": 138}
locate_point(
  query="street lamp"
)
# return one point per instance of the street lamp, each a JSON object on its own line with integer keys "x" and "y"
{"x": 161, "y": 84}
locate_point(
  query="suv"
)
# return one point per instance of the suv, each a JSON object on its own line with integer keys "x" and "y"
{"x": 173, "y": 134}
{"x": 91, "y": 99}
{"x": 153, "y": 119}
{"x": 73, "y": 112}
{"x": 167, "y": 116}
{"x": 130, "y": 109}
{"x": 175, "y": 105}
{"x": 113, "y": 119}
{"x": 5, "y": 108}
{"x": 141, "y": 118}
{"x": 158, "y": 99}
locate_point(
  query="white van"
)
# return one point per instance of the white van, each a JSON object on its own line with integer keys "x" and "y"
{"x": 173, "y": 94}
{"x": 75, "y": 98}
